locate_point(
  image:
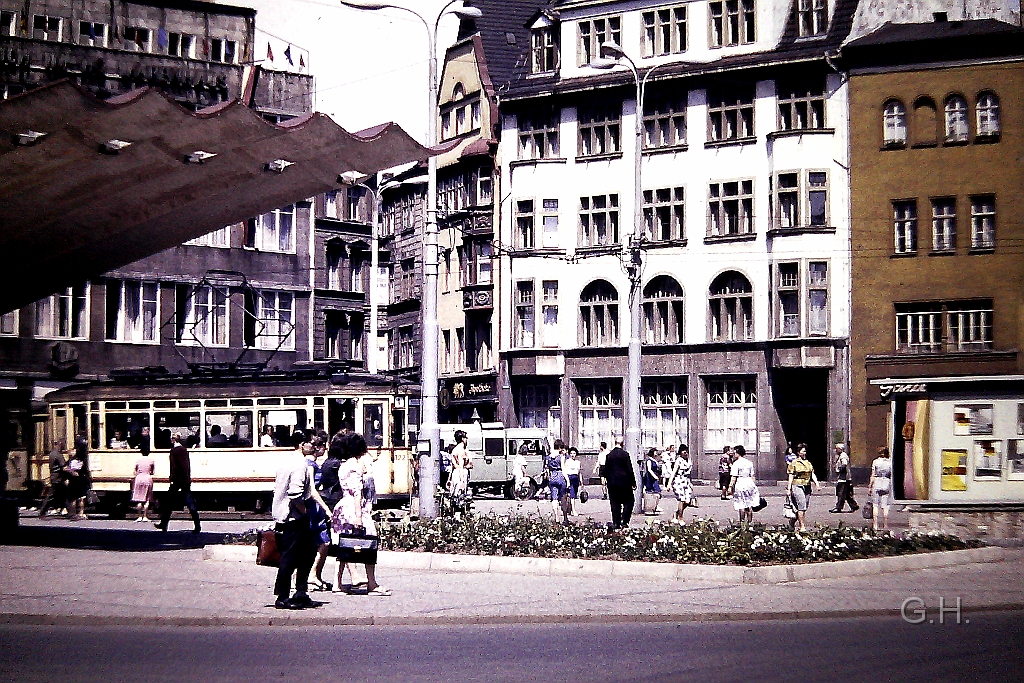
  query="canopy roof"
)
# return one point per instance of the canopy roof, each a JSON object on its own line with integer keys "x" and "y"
{"x": 72, "y": 208}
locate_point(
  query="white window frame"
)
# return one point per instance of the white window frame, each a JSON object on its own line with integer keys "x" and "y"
{"x": 787, "y": 289}
{"x": 485, "y": 186}
{"x": 665, "y": 121}
{"x": 599, "y": 130}
{"x": 663, "y": 31}
{"x": 801, "y": 105}
{"x": 540, "y": 406}
{"x": 268, "y": 230}
{"x": 10, "y": 320}
{"x": 219, "y": 49}
{"x": 145, "y": 46}
{"x": 85, "y": 38}
{"x": 664, "y": 412}
{"x": 664, "y": 210}
{"x": 593, "y": 33}
{"x": 722, "y": 196}
{"x": 525, "y": 315}
{"x": 987, "y": 115}
{"x": 818, "y": 287}
{"x": 904, "y": 226}
{"x": 956, "y": 117}
{"x": 733, "y": 308}
{"x": 940, "y": 327}
{"x": 8, "y": 23}
{"x": 526, "y": 223}
{"x": 128, "y": 329}
{"x": 61, "y": 309}
{"x": 599, "y": 317}
{"x": 894, "y": 123}
{"x": 273, "y": 315}
{"x": 538, "y": 135}
{"x": 219, "y": 239}
{"x": 548, "y": 223}
{"x": 599, "y": 413}
{"x": 731, "y": 414}
{"x": 206, "y": 321}
{"x": 663, "y": 314}
{"x": 731, "y": 117}
{"x": 812, "y": 17}
{"x": 596, "y": 211}
{"x": 983, "y": 221}
{"x": 544, "y": 47}
{"x": 731, "y": 23}
{"x": 795, "y": 196}
{"x": 943, "y": 224}
{"x": 54, "y": 30}
{"x": 184, "y": 45}
{"x": 548, "y": 322}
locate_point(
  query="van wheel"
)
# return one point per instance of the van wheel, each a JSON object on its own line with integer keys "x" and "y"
{"x": 525, "y": 492}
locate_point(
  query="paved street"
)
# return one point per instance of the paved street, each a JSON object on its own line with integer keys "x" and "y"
{"x": 884, "y": 649}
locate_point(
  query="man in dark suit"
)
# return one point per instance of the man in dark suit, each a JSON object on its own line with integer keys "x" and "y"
{"x": 618, "y": 471}
{"x": 180, "y": 490}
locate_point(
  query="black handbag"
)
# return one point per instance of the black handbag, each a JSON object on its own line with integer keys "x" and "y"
{"x": 584, "y": 496}
{"x": 355, "y": 548}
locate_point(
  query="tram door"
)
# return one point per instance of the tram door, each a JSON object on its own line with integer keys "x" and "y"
{"x": 341, "y": 414}
{"x": 373, "y": 424}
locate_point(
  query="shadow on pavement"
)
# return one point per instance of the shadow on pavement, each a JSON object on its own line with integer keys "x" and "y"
{"x": 125, "y": 540}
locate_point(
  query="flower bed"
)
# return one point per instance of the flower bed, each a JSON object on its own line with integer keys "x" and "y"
{"x": 698, "y": 542}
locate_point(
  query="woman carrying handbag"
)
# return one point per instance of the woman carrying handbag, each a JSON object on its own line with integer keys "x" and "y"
{"x": 353, "y": 521}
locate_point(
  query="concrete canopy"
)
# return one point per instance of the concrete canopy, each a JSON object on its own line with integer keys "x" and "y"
{"x": 71, "y": 209}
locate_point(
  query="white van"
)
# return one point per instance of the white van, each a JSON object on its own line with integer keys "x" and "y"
{"x": 493, "y": 449}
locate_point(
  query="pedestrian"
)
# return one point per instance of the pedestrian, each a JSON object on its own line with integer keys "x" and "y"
{"x": 319, "y": 514}
{"x": 668, "y": 457}
{"x": 724, "y": 472}
{"x": 801, "y": 476}
{"x": 458, "y": 482}
{"x": 844, "y": 482}
{"x": 59, "y": 474}
{"x": 522, "y": 481}
{"x": 790, "y": 454}
{"x": 602, "y": 457}
{"x": 618, "y": 468}
{"x": 571, "y": 470}
{"x": 353, "y": 514}
{"x": 650, "y": 477}
{"x": 296, "y": 539}
{"x": 142, "y": 483}
{"x": 742, "y": 486}
{"x": 78, "y": 485}
{"x": 880, "y": 486}
{"x": 179, "y": 492}
{"x": 681, "y": 483}
{"x": 558, "y": 486}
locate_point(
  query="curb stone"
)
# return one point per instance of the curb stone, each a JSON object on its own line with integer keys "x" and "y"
{"x": 658, "y": 571}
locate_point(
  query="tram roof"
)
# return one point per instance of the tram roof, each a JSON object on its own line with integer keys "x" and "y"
{"x": 76, "y": 201}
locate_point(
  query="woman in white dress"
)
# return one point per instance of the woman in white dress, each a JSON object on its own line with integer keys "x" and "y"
{"x": 880, "y": 486}
{"x": 745, "y": 496}
{"x": 681, "y": 484}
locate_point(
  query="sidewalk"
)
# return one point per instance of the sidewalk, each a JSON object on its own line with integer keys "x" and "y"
{"x": 138, "y": 577}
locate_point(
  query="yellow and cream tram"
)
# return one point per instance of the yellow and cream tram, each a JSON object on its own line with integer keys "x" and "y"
{"x": 236, "y": 428}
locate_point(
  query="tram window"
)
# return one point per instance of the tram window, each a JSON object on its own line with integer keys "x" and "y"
{"x": 268, "y": 401}
{"x": 277, "y": 426}
{"x": 373, "y": 424}
{"x": 138, "y": 405}
{"x": 95, "y": 405}
{"x": 227, "y": 429}
{"x": 216, "y": 403}
{"x": 189, "y": 404}
{"x": 318, "y": 400}
{"x": 398, "y": 427}
{"x": 94, "y": 428}
{"x": 295, "y": 401}
{"x": 165, "y": 404}
{"x": 185, "y": 425}
{"x": 318, "y": 419}
{"x": 241, "y": 401}
{"x": 124, "y": 430}
{"x": 116, "y": 405}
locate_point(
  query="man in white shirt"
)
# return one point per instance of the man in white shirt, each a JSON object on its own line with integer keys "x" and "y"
{"x": 295, "y": 538}
{"x": 519, "y": 468}
{"x": 602, "y": 457}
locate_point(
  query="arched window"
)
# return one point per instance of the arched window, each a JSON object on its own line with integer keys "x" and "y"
{"x": 732, "y": 307}
{"x": 458, "y": 92}
{"x": 988, "y": 115}
{"x": 663, "y": 311}
{"x": 599, "y": 315}
{"x": 957, "y": 129}
{"x": 925, "y": 122}
{"x": 894, "y": 123}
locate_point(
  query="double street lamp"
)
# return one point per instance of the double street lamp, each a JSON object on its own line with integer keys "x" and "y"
{"x": 429, "y": 439}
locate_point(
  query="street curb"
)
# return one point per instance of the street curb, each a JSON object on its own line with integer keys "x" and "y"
{"x": 661, "y": 571}
{"x": 13, "y": 619}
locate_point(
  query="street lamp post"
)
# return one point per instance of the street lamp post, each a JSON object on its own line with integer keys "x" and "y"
{"x": 632, "y": 259}
{"x": 429, "y": 440}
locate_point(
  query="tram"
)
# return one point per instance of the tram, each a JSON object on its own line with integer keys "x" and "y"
{"x": 237, "y": 427}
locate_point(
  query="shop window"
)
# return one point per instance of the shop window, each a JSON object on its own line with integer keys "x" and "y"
{"x": 593, "y": 33}
{"x": 544, "y": 42}
{"x": 133, "y": 311}
{"x": 63, "y": 315}
{"x": 664, "y": 214}
{"x": 664, "y": 417}
{"x": 988, "y": 115}
{"x": 539, "y": 405}
{"x": 599, "y": 127}
{"x": 663, "y": 311}
{"x": 944, "y": 224}
{"x": 731, "y": 115}
{"x": 525, "y": 314}
{"x": 1015, "y": 459}
{"x": 599, "y": 220}
{"x": 599, "y": 315}
{"x": 801, "y": 105}
{"x": 973, "y": 420}
{"x": 812, "y": 17}
{"x": 665, "y": 121}
{"x": 905, "y": 226}
{"x": 538, "y": 135}
{"x": 731, "y": 208}
{"x": 731, "y": 22}
{"x": 600, "y": 413}
{"x": 549, "y": 312}
{"x": 731, "y": 303}
{"x": 894, "y": 124}
{"x": 956, "y": 119}
{"x": 731, "y": 414}
{"x": 664, "y": 31}
{"x": 983, "y": 222}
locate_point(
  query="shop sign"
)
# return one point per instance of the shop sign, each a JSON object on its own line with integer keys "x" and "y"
{"x": 475, "y": 389}
{"x": 888, "y": 390}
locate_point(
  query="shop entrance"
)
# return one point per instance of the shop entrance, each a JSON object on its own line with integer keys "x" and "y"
{"x": 801, "y": 401}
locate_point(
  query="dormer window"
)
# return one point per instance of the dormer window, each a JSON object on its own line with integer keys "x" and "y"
{"x": 544, "y": 42}
{"x": 812, "y": 17}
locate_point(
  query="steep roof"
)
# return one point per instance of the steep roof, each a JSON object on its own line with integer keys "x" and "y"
{"x": 923, "y": 43}
{"x": 505, "y": 37}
